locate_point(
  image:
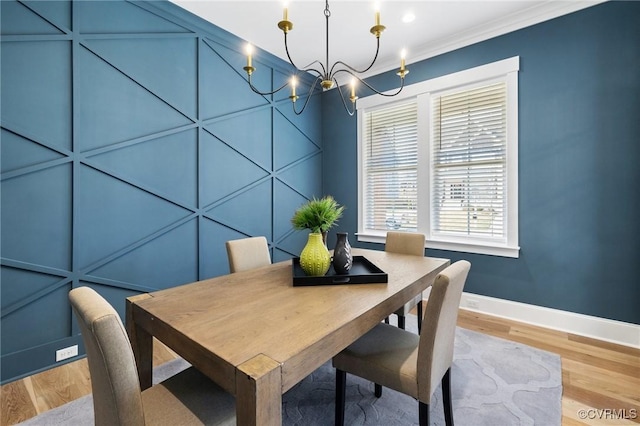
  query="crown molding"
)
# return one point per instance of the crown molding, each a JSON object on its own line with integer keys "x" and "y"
{"x": 536, "y": 14}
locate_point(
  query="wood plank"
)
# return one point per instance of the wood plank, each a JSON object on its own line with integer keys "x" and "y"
{"x": 56, "y": 386}
{"x": 16, "y": 403}
{"x": 590, "y": 341}
{"x": 624, "y": 387}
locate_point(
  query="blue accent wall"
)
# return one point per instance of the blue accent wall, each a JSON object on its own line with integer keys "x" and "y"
{"x": 579, "y": 153}
{"x": 132, "y": 149}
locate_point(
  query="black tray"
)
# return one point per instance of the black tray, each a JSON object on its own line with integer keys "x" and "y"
{"x": 362, "y": 272}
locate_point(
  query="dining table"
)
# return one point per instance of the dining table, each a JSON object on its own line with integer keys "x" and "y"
{"x": 257, "y": 335}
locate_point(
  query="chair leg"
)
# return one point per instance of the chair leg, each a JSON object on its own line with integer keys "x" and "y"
{"x": 423, "y": 413}
{"x": 420, "y": 313}
{"x": 378, "y": 390}
{"x": 446, "y": 398}
{"x": 401, "y": 321}
{"x": 341, "y": 388}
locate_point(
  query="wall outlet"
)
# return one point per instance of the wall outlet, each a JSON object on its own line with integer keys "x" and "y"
{"x": 62, "y": 354}
{"x": 473, "y": 304}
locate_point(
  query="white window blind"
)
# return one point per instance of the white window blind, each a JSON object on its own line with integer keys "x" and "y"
{"x": 390, "y": 167}
{"x": 442, "y": 159}
{"x": 469, "y": 165}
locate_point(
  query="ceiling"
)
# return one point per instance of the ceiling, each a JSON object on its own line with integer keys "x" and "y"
{"x": 439, "y": 26}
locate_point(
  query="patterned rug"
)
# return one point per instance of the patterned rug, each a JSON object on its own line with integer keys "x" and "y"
{"x": 495, "y": 382}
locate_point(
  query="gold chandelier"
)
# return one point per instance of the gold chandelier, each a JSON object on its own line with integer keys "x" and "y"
{"x": 326, "y": 75}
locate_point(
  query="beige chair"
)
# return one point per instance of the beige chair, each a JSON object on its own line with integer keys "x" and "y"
{"x": 407, "y": 243}
{"x": 404, "y": 361}
{"x": 185, "y": 398}
{"x": 248, "y": 253}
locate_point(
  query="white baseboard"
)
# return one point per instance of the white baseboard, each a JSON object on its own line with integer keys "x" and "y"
{"x": 619, "y": 332}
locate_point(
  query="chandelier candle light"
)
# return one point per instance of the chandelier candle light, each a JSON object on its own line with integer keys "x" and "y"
{"x": 326, "y": 75}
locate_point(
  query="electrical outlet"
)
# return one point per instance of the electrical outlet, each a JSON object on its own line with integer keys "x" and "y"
{"x": 62, "y": 354}
{"x": 473, "y": 304}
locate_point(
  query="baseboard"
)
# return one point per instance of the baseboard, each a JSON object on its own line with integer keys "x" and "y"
{"x": 619, "y": 332}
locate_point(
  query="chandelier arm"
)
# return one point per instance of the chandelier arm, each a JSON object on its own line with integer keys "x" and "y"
{"x": 373, "y": 88}
{"x": 255, "y": 90}
{"x": 375, "y": 57}
{"x": 307, "y": 68}
{"x": 311, "y": 90}
{"x": 344, "y": 102}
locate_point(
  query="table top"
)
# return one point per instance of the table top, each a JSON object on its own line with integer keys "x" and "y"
{"x": 220, "y": 323}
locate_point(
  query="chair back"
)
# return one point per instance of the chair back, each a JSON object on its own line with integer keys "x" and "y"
{"x": 435, "y": 352}
{"x": 248, "y": 253}
{"x": 405, "y": 243}
{"x": 117, "y": 398}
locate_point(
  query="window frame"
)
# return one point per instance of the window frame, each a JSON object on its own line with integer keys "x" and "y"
{"x": 504, "y": 70}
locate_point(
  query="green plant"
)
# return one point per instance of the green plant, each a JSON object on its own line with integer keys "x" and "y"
{"x": 318, "y": 215}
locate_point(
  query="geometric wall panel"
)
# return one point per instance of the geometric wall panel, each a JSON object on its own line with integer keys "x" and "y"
{"x": 25, "y": 285}
{"x": 57, "y": 12}
{"x": 36, "y": 217}
{"x": 224, "y": 89}
{"x": 313, "y": 109}
{"x": 45, "y": 319}
{"x": 18, "y": 18}
{"x": 224, "y": 170}
{"x": 114, "y": 108}
{"x": 164, "y": 66}
{"x": 36, "y": 90}
{"x": 288, "y": 201}
{"x": 167, "y": 165}
{"x": 166, "y": 261}
{"x": 132, "y": 150}
{"x": 237, "y": 210}
{"x": 232, "y": 60}
{"x": 113, "y": 215}
{"x": 249, "y": 133}
{"x": 19, "y": 152}
{"x": 300, "y": 177}
{"x": 290, "y": 144}
{"x": 121, "y": 17}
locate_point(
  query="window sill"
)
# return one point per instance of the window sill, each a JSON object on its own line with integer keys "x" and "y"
{"x": 493, "y": 250}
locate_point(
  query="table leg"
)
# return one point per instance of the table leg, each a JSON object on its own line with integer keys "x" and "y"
{"x": 141, "y": 343}
{"x": 259, "y": 392}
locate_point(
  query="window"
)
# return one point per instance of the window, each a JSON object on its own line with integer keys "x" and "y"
{"x": 391, "y": 167}
{"x": 442, "y": 160}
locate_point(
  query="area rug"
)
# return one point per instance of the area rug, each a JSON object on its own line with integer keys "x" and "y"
{"x": 495, "y": 382}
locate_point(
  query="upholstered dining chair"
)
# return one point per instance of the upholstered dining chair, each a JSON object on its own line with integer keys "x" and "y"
{"x": 188, "y": 397}
{"x": 409, "y": 363}
{"x": 248, "y": 253}
{"x": 407, "y": 243}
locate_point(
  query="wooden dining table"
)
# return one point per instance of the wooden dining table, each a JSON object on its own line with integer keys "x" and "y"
{"x": 257, "y": 335}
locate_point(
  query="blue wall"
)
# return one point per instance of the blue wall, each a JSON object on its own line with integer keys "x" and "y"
{"x": 132, "y": 149}
{"x": 579, "y": 143}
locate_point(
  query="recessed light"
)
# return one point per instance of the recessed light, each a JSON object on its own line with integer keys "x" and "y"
{"x": 408, "y": 17}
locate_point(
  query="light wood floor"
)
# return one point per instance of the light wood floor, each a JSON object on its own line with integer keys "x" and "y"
{"x": 600, "y": 380}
